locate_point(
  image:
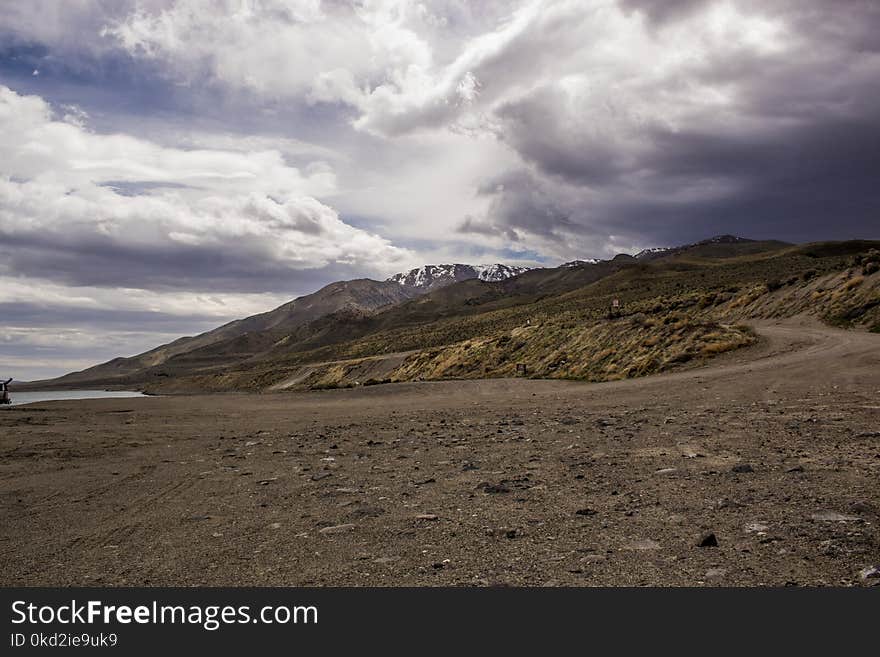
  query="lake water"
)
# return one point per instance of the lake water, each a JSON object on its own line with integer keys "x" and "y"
{"x": 50, "y": 395}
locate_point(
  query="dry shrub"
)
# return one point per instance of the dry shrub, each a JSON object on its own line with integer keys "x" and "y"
{"x": 853, "y": 282}
{"x": 715, "y": 348}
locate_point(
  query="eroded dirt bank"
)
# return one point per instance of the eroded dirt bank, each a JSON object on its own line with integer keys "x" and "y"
{"x": 775, "y": 450}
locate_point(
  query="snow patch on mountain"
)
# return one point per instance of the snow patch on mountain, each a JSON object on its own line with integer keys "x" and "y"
{"x": 581, "y": 263}
{"x": 430, "y": 277}
{"x": 724, "y": 239}
{"x": 498, "y": 272}
{"x": 651, "y": 253}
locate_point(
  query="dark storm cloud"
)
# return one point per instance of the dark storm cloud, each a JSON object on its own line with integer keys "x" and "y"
{"x": 809, "y": 184}
{"x": 166, "y": 267}
{"x": 39, "y": 343}
{"x": 792, "y": 155}
{"x": 559, "y": 144}
{"x": 517, "y": 202}
{"x": 35, "y": 314}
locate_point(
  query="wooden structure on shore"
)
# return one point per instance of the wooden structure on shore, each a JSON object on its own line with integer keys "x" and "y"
{"x": 4, "y": 392}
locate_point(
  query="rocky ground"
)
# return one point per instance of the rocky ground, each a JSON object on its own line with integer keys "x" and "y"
{"x": 761, "y": 469}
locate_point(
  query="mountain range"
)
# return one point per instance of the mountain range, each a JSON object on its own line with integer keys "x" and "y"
{"x": 464, "y": 320}
{"x": 432, "y": 277}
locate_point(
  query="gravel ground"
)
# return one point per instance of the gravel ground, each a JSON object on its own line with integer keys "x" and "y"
{"x": 760, "y": 469}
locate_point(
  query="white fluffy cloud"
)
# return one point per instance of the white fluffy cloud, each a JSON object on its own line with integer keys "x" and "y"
{"x": 40, "y": 144}
{"x": 65, "y": 188}
{"x": 407, "y": 65}
{"x": 573, "y": 94}
{"x": 111, "y": 243}
{"x": 398, "y": 62}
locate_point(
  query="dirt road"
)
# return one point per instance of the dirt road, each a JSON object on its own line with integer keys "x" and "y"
{"x": 775, "y": 450}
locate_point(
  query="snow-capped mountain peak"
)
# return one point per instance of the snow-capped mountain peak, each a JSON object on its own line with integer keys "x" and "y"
{"x": 431, "y": 277}
{"x": 581, "y": 263}
{"x": 651, "y": 253}
{"x": 498, "y": 272}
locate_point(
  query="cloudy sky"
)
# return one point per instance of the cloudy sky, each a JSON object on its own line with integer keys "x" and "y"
{"x": 168, "y": 165}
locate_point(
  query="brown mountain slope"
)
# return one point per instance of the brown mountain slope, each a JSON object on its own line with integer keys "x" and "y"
{"x": 686, "y": 300}
{"x": 233, "y": 338}
{"x": 365, "y": 319}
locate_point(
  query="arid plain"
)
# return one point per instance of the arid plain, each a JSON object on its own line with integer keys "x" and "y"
{"x": 772, "y": 452}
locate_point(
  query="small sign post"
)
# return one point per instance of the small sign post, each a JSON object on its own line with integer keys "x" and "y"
{"x": 615, "y": 308}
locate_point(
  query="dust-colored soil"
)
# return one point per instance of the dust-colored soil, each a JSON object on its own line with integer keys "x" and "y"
{"x": 518, "y": 482}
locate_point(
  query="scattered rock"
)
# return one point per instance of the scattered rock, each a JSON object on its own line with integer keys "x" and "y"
{"x": 708, "y": 540}
{"x": 873, "y": 572}
{"x": 586, "y": 512}
{"x": 664, "y": 471}
{"x": 742, "y": 468}
{"x": 337, "y": 529}
{"x": 321, "y": 475}
{"x": 493, "y": 489}
{"x": 429, "y": 480}
{"x": 756, "y": 527}
{"x": 861, "y": 507}
{"x": 797, "y": 468}
{"x": 715, "y": 573}
{"x": 426, "y": 516}
{"x": 275, "y": 525}
{"x": 511, "y": 533}
{"x": 366, "y": 511}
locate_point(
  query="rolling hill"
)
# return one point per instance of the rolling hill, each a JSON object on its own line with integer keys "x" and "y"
{"x": 361, "y": 295}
